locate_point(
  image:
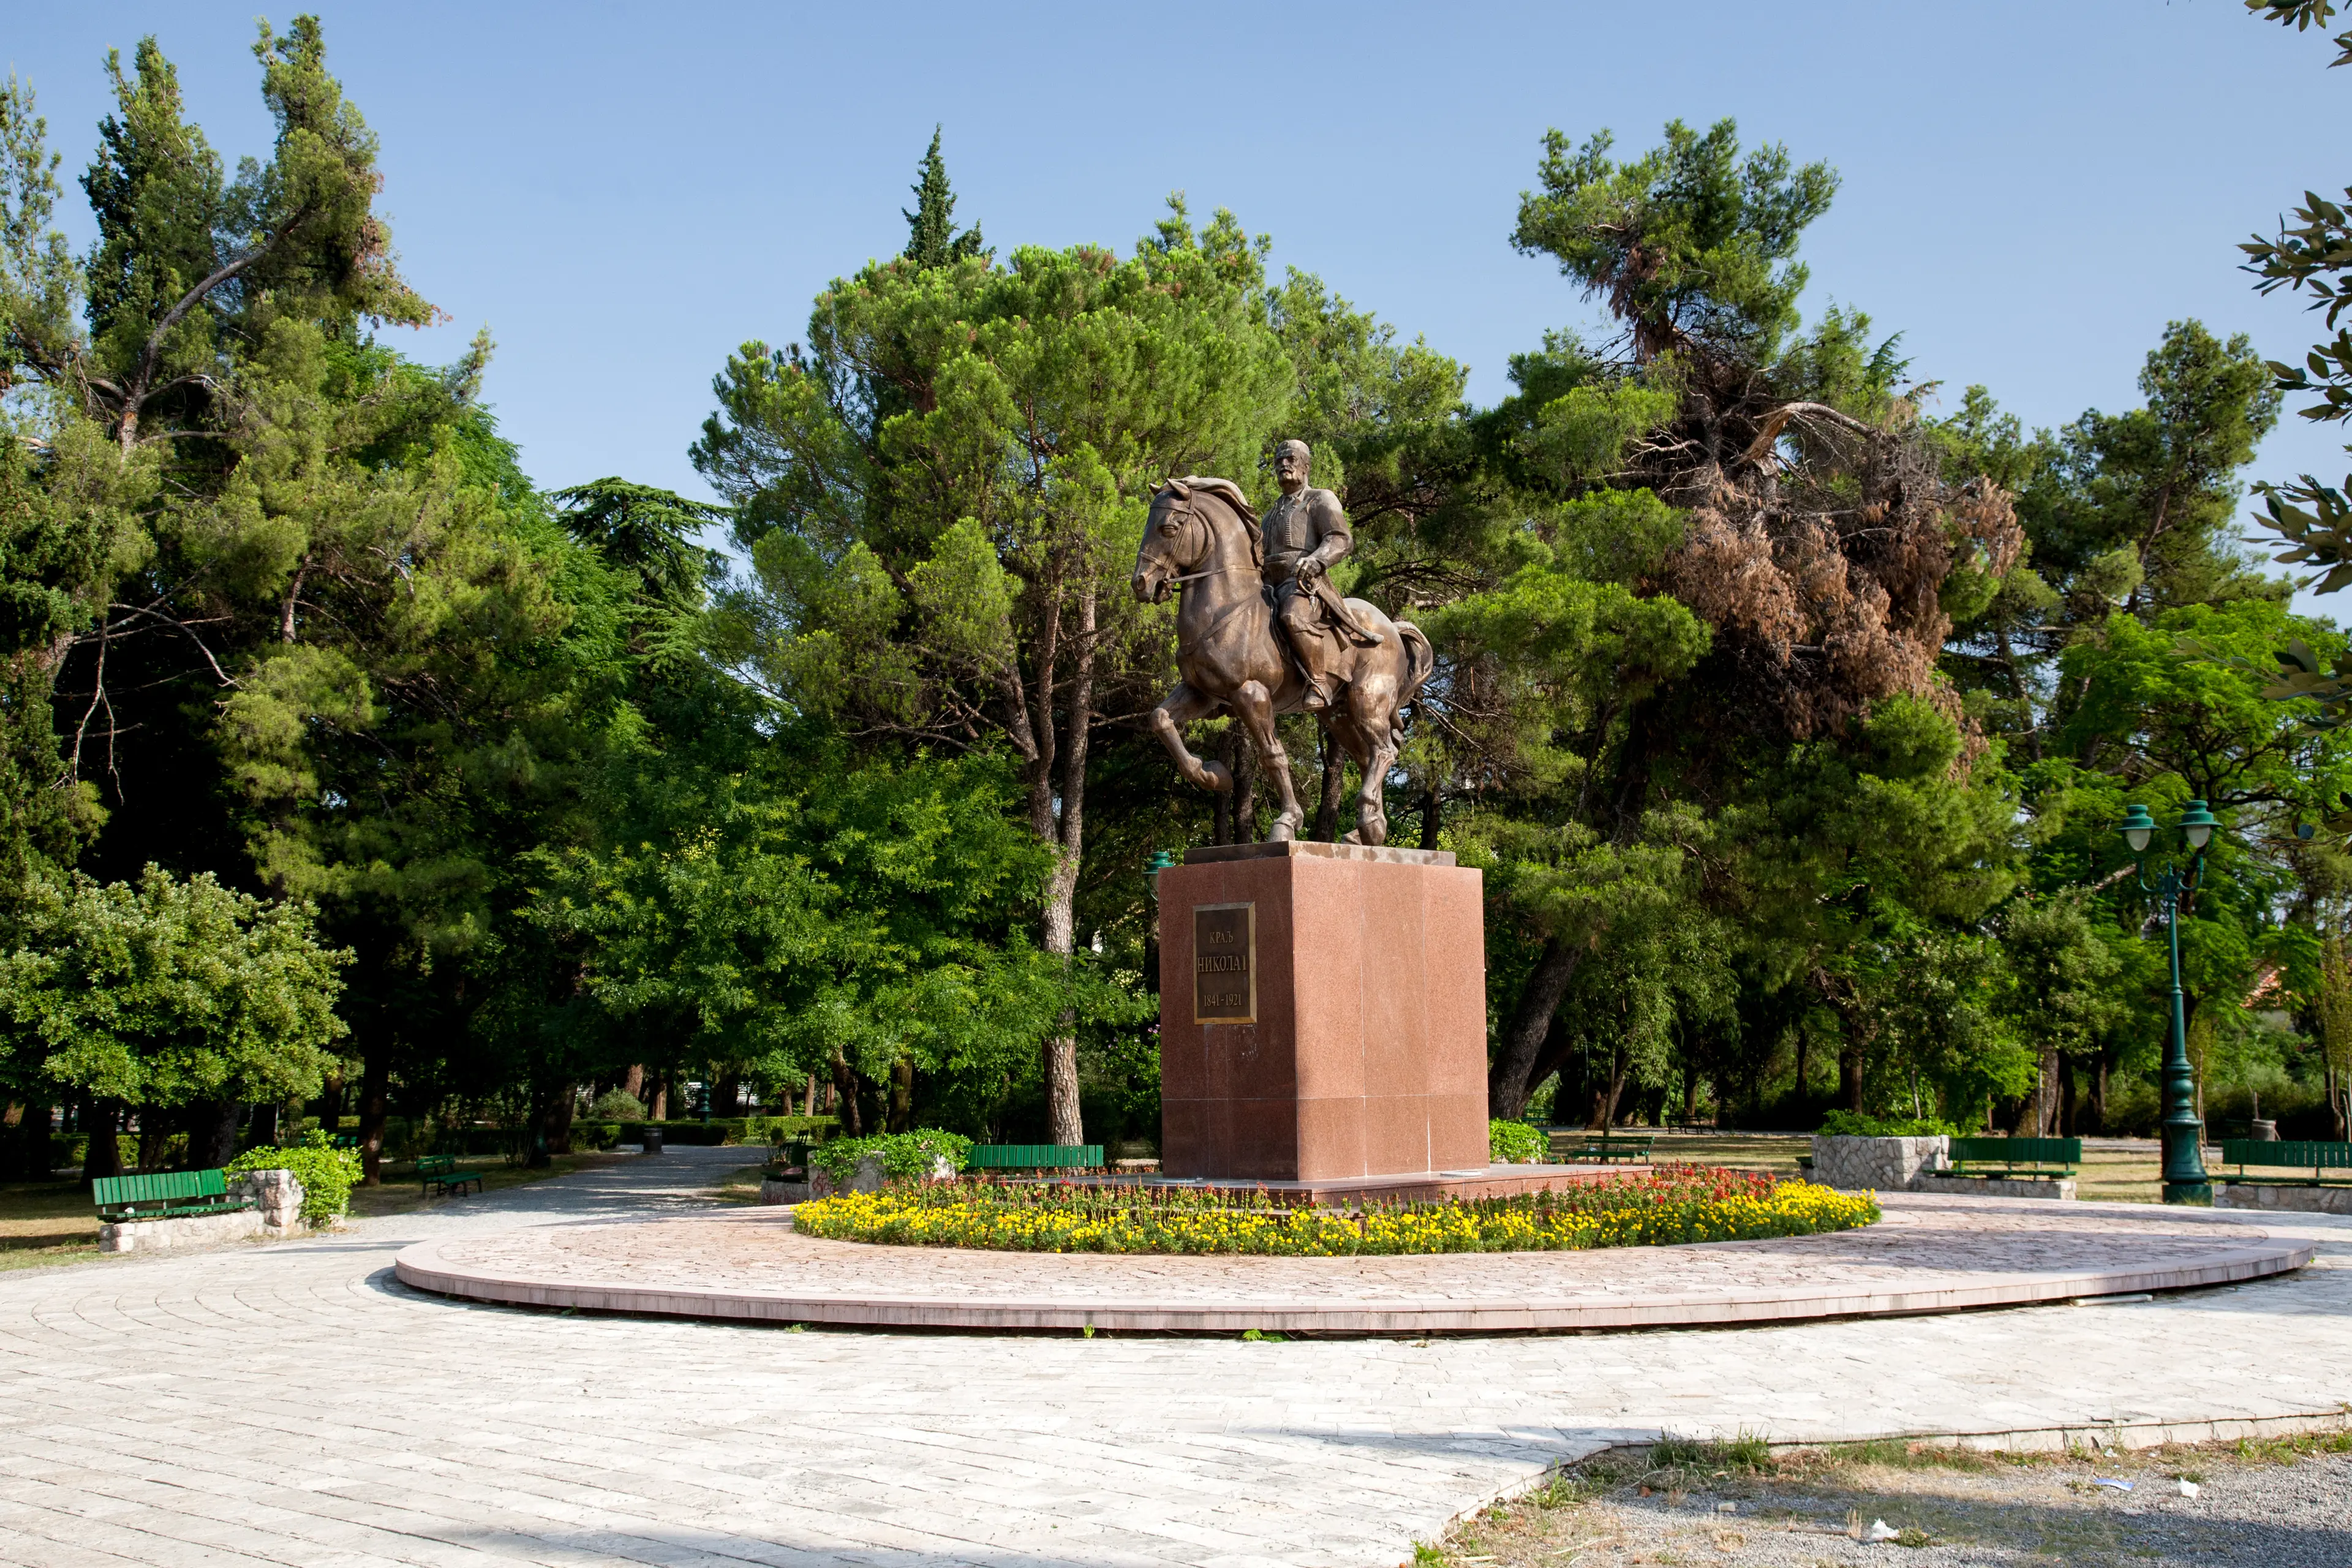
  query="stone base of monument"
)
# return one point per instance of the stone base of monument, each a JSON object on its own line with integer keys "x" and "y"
{"x": 1322, "y": 1016}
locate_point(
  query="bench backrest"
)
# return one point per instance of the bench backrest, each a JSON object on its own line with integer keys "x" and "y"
{"x": 163, "y": 1186}
{"x": 435, "y": 1164}
{"x": 2279, "y": 1151}
{"x": 1034, "y": 1156}
{"x": 2020, "y": 1151}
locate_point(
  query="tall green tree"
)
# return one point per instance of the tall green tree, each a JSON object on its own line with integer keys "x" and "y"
{"x": 163, "y": 996}
{"x": 941, "y": 497}
{"x": 931, "y": 237}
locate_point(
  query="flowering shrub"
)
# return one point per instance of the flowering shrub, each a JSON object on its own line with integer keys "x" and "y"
{"x": 1514, "y": 1143}
{"x": 906, "y": 1156}
{"x": 1673, "y": 1203}
{"x": 327, "y": 1173}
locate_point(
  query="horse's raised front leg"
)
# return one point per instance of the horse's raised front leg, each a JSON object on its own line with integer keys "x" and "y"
{"x": 1254, "y": 706}
{"x": 1176, "y": 709}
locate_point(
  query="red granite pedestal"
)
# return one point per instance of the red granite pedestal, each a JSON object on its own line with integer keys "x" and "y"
{"x": 1322, "y": 1014}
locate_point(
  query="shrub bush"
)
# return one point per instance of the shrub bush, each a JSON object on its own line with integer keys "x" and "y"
{"x": 617, "y": 1105}
{"x": 327, "y": 1173}
{"x": 1846, "y": 1124}
{"x": 906, "y": 1156}
{"x": 1514, "y": 1143}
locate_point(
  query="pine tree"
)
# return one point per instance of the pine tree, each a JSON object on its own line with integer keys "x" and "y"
{"x": 931, "y": 238}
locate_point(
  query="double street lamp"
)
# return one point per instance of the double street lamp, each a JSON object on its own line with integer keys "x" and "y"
{"x": 2185, "y": 1181}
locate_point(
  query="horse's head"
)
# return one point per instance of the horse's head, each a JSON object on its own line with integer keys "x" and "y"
{"x": 1187, "y": 517}
{"x": 1175, "y": 541}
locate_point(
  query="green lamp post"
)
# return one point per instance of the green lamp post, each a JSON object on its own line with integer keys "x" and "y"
{"x": 2185, "y": 1181}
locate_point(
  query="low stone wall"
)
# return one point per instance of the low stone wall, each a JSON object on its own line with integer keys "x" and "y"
{"x": 276, "y": 1214}
{"x": 1994, "y": 1187}
{"x": 2294, "y": 1200}
{"x": 184, "y": 1230}
{"x": 1875, "y": 1165}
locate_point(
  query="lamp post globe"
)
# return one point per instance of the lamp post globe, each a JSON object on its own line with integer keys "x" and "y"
{"x": 2185, "y": 1178}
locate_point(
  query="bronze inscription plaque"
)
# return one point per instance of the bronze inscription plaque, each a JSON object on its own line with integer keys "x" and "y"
{"x": 1225, "y": 963}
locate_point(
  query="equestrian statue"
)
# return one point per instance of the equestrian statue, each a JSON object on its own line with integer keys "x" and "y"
{"x": 1261, "y": 632}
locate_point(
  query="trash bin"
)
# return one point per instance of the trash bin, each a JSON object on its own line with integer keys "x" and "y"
{"x": 653, "y": 1140}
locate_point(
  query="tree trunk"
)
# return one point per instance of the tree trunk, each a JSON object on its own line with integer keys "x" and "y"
{"x": 1222, "y": 832}
{"x": 808, "y": 1099}
{"x": 1430, "y": 818}
{"x": 212, "y": 1127}
{"x": 156, "y": 1129}
{"x": 634, "y": 1082}
{"x": 1690, "y": 1094}
{"x": 658, "y": 1109}
{"x": 1512, "y": 1078}
{"x": 1066, "y": 1122}
{"x": 263, "y": 1130}
{"x": 902, "y": 1094}
{"x": 1804, "y": 1052}
{"x": 1850, "y": 1075}
{"x": 1605, "y": 1097}
{"x": 727, "y": 1096}
{"x": 1335, "y": 785}
{"x": 31, "y": 1154}
{"x": 845, "y": 1089}
{"x": 376, "y": 1104}
{"x": 331, "y": 1104}
{"x": 2069, "y": 1117}
{"x": 553, "y": 1127}
{"x": 2099, "y": 1069}
{"x": 101, "y": 1119}
{"x": 1244, "y": 788}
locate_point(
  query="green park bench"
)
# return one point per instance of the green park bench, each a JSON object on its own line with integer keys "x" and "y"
{"x": 1034, "y": 1157}
{"x": 166, "y": 1194}
{"x": 440, "y": 1172}
{"x": 2267, "y": 1155}
{"x": 1580, "y": 1147}
{"x": 2048, "y": 1159}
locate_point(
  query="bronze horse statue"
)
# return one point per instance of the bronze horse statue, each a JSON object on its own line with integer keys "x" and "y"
{"x": 1201, "y": 537}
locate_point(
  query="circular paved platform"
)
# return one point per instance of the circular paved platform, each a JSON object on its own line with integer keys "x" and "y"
{"x": 1929, "y": 1255}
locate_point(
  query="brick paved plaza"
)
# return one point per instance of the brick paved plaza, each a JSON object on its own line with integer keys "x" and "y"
{"x": 292, "y": 1404}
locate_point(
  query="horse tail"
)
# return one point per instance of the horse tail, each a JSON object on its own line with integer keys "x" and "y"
{"x": 1419, "y": 660}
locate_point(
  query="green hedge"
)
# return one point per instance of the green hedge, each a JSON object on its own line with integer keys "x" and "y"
{"x": 729, "y": 1130}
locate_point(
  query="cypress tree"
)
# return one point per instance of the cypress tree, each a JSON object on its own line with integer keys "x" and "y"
{"x": 931, "y": 238}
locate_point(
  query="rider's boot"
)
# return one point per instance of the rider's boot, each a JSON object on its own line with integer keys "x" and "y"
{"x": 1316, "y": 699}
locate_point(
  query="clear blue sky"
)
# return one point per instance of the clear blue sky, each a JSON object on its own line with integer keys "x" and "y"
{"x": 623, "y": 192}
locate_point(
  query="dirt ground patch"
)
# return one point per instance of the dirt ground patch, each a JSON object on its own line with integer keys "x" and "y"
{"x": 2281, "y": 1504}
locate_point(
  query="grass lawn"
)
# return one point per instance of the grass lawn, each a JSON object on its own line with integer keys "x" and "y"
{"x": 45, "y": 1222}
{"x": 739, "y": 1186}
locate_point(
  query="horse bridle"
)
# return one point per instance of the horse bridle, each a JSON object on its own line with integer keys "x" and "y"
{"x": 1187, "y": 514}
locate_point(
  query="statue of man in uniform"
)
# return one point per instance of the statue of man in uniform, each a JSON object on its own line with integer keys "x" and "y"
{"x": 1305, "y": 533}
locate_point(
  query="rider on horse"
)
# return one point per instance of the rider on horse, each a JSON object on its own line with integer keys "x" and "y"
{"x": 1304, "y": 533}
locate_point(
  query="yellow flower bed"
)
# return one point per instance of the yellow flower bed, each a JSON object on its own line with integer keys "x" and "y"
{"x": 1650, "y": 1210}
